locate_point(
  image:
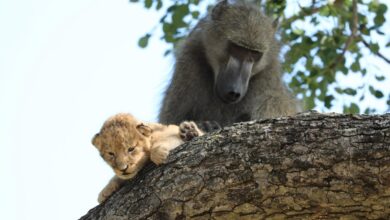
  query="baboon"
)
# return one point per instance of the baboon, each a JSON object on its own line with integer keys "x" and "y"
{"x": 228, "y": 70}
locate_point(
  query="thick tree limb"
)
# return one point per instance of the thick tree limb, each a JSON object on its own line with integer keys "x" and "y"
{"x": 310, "y": 166}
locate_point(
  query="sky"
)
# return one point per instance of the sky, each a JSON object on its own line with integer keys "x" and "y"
{"x": 65, "y": 66}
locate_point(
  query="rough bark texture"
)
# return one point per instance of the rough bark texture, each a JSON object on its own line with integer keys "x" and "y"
{"x": 310, "y": 166}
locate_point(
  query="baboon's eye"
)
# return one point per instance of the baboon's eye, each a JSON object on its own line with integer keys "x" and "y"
{"x": 243, "y": 53}
{"x": 237, "y": 51}
{"x": 255, "y": 55}
{"x": 130, "y": 149}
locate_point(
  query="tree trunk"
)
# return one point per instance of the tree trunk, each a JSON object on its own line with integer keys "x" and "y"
{"x": 309, "y": 166}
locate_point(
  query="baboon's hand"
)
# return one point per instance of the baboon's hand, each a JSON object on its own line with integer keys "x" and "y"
{"x": 189, "y": 130}
{"x": 208, "y": 126}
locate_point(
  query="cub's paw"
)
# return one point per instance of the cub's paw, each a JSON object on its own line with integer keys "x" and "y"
{"x": 189, "y": 130}
{"x": 158, "y": 155}
{"x": 107, "y": 191}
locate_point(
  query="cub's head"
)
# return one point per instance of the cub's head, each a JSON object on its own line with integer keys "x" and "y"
{"x": 124, "y": 143}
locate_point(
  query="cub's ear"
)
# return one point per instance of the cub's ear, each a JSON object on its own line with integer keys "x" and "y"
{"x": 96, "y": 140}
{"x": 144, "y": 130}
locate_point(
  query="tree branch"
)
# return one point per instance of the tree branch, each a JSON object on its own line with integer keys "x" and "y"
{"x": 310, "y": 166}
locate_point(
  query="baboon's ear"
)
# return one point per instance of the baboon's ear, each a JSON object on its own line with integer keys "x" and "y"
{"x": 95, "y": 140}
{"x": 218, "y": 9}
{"x": 144, "y": 130}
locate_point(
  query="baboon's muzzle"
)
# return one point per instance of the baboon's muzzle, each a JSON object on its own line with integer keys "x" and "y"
{"x": 232, "y": 82}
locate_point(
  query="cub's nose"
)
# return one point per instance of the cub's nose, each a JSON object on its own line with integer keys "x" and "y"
{"x": 123, "y": 167}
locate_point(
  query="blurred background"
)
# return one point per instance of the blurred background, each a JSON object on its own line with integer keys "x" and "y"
{"x": 65, "y": 66}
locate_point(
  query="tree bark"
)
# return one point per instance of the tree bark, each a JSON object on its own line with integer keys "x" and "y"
{"x": 309, "y": 166}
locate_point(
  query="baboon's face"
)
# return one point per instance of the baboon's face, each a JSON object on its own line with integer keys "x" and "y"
{"x": 238, "y": 39}
{"x": 232, "y": 80}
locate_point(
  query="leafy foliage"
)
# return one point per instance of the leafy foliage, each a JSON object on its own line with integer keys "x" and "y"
{"x": 323, "y": 41}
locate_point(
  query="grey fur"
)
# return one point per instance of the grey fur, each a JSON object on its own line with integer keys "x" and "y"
{"x": 191, "y": 93}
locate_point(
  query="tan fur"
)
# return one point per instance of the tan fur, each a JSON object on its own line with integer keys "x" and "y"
{"x": 126, "y": 144}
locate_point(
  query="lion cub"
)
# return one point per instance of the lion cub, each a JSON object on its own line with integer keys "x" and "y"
{"x": 126, "y": 144}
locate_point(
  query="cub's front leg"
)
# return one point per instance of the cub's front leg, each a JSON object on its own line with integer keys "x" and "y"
{"x": 174, "y": 136}
{"x": 112, "y": 186}
{"x": 159, "y": 154}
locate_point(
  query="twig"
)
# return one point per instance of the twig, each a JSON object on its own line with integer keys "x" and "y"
{"x": 354, "y": 24}
{"x": 377, "y": 52}
{"x": 304, "y": 12}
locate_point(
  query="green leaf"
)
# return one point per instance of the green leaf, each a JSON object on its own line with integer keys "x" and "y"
{"x": 369, "y": 111}
{"x": 159, "y": 4}
{"x": 371, "y": 89}
{"x": 328, "y": 101}
{"x": 379, "y": 20}
{"x": 195, "y": 2}
{"x": 168, "y": 28}
{"x": 380, "y": 78}
{"x": 373, "y": 6}
{"x": 298, "y": 31}
{"x": 355, "y": 67}
{"x": 350, "y": 91}
{"x": 364, "y": 72}
{"x": 167, "y": 52}
{"x": 309, "y": 102}
{"x": 143, "y": 41}
{"x": 378, "y": 94}
{"x": 339, "y": 90}
{"x": 170, "y": 38}
{"x": 314, "y": 20}
{"x": 178, "y": 15}
{"x": 148, "y": 3}
{"x": 352, "y": 109}
{"x": 195, "y": 14}
{"x": 388, "y": 101}
{"x": 294, "y": 82}
{"x": 325, "y": 11}
{"x": 380, "y": 32}
{"x": 344, "y": 70}
{"x": 364, "y": 31}
{"x": 374, "y": 47}
{"x": 382, "y": 9}
{"x": 171, "y": 8}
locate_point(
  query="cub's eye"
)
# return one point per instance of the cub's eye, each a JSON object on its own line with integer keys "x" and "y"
{"x": 112, "y": 154}
{"x": 130, "y": 149}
